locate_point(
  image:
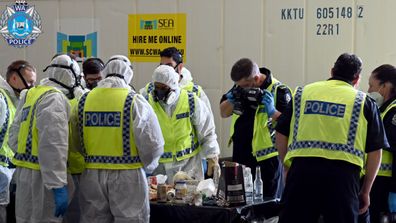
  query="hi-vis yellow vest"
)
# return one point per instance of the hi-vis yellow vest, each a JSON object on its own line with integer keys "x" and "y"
{"x": 27, "y": 153}
{"x": 75, "y": 161}
{"x": 106, "y": 131}
{"x": 328, "y": 122}
{"x": 6, "y": 153}
{"x": 264, "y": 129}
{"x": 387, "y": 157}
{"x": 193, "y": 88}
{"x": 179, "y": 134}
{"x": 190, "y": 87}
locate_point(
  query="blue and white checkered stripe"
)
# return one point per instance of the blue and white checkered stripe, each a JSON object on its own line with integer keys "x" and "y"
{"x": 4, "y": 129}
{"x": 126, "y": 125}
{"x": 357, "y": 106}
{"x": 274, "y": 86}
{"x": 297, "y": 103}
{"x": 266, "y": 151}
{"x": 327, "y": 146}
{"x": 112, "y": 159}
{"x": 4, "y": 159}
{"x": 166, "y": 155}
{"x": 386, "y": 167}
{"x": 194, "y": 146}
{"x": 150, "y": 88}
{"x": 188, "y": 150}
{"x": 348, "y": 148}
{"x": 191, "y": 104}
{"x": 81, "y": 105}
{"x": 271, "y": 130}
{"x": 5, "y": 124}
{"x": 126, "y": 158}
{"x": 27, "y": 156}
{"x": 195, "y": 89}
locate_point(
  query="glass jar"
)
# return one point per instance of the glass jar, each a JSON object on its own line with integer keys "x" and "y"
{"x": 181, "y": 190}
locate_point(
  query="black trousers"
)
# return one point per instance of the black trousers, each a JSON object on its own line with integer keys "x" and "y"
{"x": 317, "y": 186}
{"x": 379, "y": 198}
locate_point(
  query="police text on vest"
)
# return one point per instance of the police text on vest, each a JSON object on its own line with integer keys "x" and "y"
{"x": 102, "y": 119}
{"x": 324, "y": 108}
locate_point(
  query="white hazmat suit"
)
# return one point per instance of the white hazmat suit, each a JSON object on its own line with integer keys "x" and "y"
{"x": 34, "y": 198}
{"x": 202, "y": 121}
{"x": 122, "y": 195}
{"x": 5, "y": 172}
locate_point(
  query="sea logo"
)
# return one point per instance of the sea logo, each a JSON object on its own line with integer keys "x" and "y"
{"x": 148, "y": 24}
{"x": 157, "y": 24}
{"x": 20, "y": 24}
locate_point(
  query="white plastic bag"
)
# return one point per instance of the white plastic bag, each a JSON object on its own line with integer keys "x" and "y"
{"x": 207, "y": 187}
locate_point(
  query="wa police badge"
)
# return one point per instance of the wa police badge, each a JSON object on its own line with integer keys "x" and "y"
{"x": 20, "y": 24}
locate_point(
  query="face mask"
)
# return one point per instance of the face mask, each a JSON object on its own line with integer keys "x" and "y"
{"x": 93, "y": 85}
{"x": 166, "y": 96}
{"x": 379, "y": 99}
{"x": 160, "y": 95}
{"x": 69, "y": 95}
{"x": 18, "y": 91}
{"x": 77, "y": 78}
{"x": 18, "y": 71}
{"x": 171, "y": 98}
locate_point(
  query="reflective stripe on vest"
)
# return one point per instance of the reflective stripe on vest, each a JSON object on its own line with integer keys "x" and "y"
{"x": 386, "y": 167}
{"x": 4, "y": 129}
{"x": 126, "y": 158}
{"x": 149, "y": 89}
{"x": 235, "y": 116}
{"x": 167, "y": 156}
{"x": 28, "y": 156}
{"x": 347, "y": 148}
{"x": 387, "y": 157}
{"x": 261, "y": 153}
{"x": 75, "y": 161}
{"x": 6, "y": 153}
{"x": 179, "y": 154}
{"x": 195, "y": 89}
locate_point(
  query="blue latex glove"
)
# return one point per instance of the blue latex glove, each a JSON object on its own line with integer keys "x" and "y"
{"x": 268, "y": 102}
{"x": 61, "y": 200}
{"x": 230, "y": 97}
{"x": 392, "y": 202}
{"x": 204, "y": 165}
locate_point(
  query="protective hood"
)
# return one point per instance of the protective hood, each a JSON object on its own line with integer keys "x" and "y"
{"x": 64, "y": 70}
{"x": 165, "y": 74}
{"x": 187, "y": 78}
{"x": 118, "y": 66}
{"x": 4, "y": 85}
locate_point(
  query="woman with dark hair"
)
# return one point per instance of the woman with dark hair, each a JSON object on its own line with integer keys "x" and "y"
{"x": 382, "y": 88}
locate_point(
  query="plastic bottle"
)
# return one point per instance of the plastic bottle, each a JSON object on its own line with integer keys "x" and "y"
{"x": 248, "y": 186}
{"x": 258, "y": 187}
